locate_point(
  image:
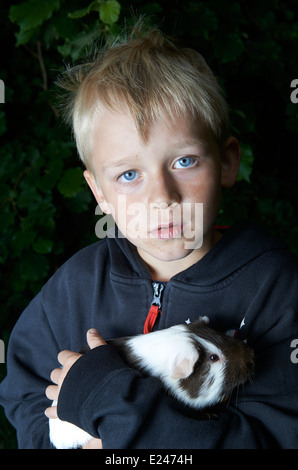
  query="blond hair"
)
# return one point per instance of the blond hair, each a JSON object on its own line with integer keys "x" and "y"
{"x": 152, "y": 77}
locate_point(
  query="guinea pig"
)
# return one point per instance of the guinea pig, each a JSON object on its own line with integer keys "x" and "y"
{"x": 197, "y": 365}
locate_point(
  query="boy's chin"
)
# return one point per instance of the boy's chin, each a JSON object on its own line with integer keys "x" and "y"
{"x": 169, "y": 251}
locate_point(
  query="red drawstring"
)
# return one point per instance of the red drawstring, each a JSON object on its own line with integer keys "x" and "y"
{"x": 151, "y": 318}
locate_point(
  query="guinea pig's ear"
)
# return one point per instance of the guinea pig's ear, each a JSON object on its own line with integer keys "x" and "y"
{"x": 183, "y": 365}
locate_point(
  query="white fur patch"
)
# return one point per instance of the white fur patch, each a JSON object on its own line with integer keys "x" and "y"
{"x": 166, "y": 352}
{"x": 64, "y": 435}
{"x": 171, "y": 355}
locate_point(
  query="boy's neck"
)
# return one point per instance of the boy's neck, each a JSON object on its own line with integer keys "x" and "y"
{"x": 164, "y": 270}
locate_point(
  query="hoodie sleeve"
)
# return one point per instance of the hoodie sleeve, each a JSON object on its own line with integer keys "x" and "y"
{"x": 128, "y": 410}
{"x": 56, "y": 319}
{"x": 22, "y": 392}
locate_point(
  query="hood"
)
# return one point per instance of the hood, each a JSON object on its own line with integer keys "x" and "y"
{"x": 239, "y": 245}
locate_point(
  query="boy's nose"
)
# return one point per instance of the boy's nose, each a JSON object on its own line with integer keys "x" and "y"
{"x": 163, "y": 191}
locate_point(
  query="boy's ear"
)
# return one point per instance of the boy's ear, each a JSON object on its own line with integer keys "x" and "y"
{"x": 231, "y": 156}
{"x": 98, "y": 194}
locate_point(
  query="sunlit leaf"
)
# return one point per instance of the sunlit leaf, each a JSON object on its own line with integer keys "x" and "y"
{"x": 109, "y": 11}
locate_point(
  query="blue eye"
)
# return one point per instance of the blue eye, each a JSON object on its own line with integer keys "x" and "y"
{"x": 184, "y": 162}
{"x": 128, "y": 176}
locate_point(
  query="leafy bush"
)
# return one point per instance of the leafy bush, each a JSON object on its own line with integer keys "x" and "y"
{"x": 47, "y": 212}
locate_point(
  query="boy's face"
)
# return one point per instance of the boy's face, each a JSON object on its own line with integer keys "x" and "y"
{"x": 164, "y": 193}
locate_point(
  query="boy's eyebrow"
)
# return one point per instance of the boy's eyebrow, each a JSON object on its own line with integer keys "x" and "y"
{"x": 179, "y": 145}
{"x": 190, "y": 142}
{"x": 115, "y": 163}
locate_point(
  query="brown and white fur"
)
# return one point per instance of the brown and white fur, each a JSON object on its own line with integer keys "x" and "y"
{"x": 197, "y": 365}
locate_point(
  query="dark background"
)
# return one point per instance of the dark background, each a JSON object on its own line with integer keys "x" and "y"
{"x": 46, "y": 209}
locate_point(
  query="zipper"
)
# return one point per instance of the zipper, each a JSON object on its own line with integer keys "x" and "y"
{"x": 155, "y": 309}
{"x": 158, "y": 287}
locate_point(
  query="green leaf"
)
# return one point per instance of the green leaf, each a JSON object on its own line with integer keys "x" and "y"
{"x": 64, "y": 50}
{"x": 5, "y": 192}
{"x": 247, "y": 159}
{"x": 109, "y": 11}
{"x": 79, "y": 13}
{"x": 77, "y": 47}
{"x": 230, "y": 48}
{"x": 43, "y": 246}
{"x": 94, "y": 6}
{"x": 28, "y": 198}
{"x": 33, "y": 267}
{"x": 6, "y": 221}
{"x": 51, "y": 176}
{"x": 71, "y": 182}
{"x": 31, "y": 14}
{"x": 22, "y": 240}
{"x": 24, "y": 36}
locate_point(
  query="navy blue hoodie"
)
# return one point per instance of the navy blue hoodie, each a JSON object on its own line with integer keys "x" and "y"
{"x": 247, "y": 279}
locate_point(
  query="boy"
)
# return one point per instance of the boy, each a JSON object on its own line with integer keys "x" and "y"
{"x": 152, "y": 129}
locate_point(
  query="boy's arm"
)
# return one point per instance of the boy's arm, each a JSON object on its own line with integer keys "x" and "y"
{"x": 67, "y": 359}
{"x": 31, "y": 355}
{"x": 130, "y": 411}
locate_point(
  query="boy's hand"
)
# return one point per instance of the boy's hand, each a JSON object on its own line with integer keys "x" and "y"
{"x": 67, "y": 360}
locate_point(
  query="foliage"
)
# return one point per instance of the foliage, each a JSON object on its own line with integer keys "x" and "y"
{"x": 47, "y": 212}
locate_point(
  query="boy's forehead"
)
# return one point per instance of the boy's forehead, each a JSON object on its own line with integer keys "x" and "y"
{"x": 116, "y": 141}
{"x": 185, "y": 129}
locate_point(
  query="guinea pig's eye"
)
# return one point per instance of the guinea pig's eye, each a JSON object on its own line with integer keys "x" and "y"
{"x": 214, "y": 358}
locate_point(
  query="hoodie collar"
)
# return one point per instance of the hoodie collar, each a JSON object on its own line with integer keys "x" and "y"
{"x": 239, "y": 245}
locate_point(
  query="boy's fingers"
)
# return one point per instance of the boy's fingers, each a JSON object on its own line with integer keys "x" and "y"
{"x": 51, "y": 412}
{"x": 68, "y": 357}
{"x": 52, "y": 392}
{"x": 55, "y": 375}
{"x": 94, "y": 339}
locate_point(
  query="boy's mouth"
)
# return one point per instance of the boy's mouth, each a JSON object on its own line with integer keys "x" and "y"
{"x": 167, "y": 231}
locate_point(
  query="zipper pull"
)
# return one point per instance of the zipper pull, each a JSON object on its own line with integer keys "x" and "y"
{"x": 155, "y": 308}
{"x": 158, "y": 287}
